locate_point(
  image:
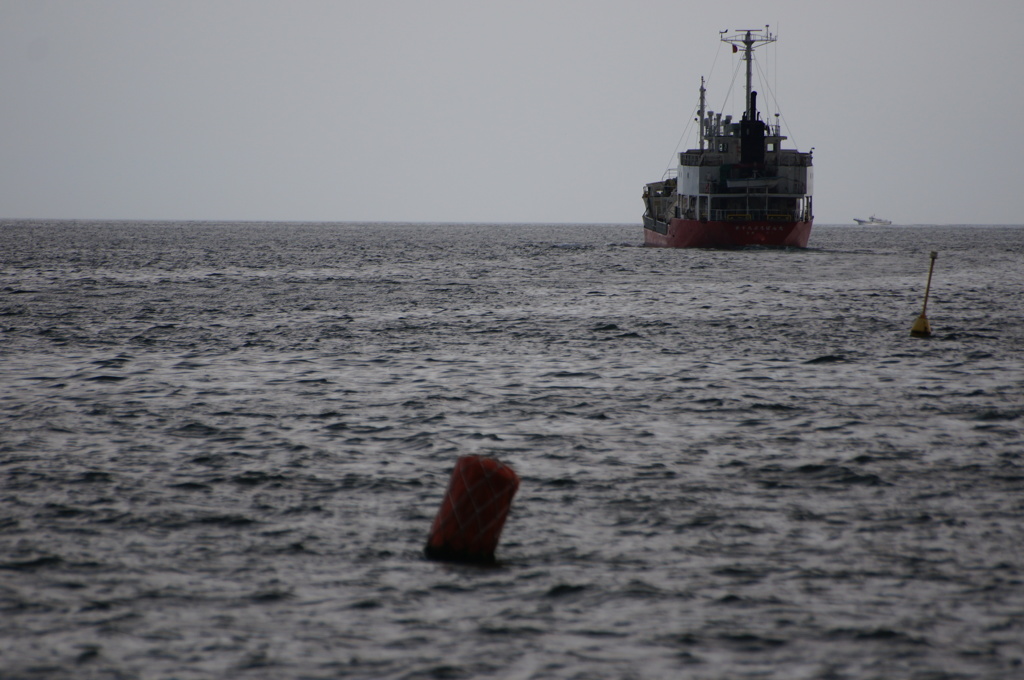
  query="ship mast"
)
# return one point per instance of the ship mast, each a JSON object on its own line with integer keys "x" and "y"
{"x": 702, "y": 113}
{"x": 749, "y": 39}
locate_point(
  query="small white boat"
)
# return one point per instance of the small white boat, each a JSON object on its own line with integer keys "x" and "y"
{"x": 873, "y": 222}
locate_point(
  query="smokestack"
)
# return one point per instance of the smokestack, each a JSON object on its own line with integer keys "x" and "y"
{"x": 752, "y": 149}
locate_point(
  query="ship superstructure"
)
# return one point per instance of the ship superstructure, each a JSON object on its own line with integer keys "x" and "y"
{"x": 739, "y": 187}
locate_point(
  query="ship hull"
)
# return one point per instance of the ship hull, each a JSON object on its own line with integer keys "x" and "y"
{"x": 684, "y": 233}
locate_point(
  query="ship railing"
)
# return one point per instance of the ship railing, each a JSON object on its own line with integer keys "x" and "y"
{"x": 793, "y": 189}
{"x": 704, "y": 158}
{"x": 786, "y": 157}
{"x": 743, "y": 215}
{"x": 793, "y": 158}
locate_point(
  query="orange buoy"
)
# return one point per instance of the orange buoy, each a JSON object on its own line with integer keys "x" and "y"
{"x": 469, "y": 523}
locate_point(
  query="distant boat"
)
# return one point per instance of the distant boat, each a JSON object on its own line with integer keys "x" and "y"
{"x": 739, "y": 187}
{"x": 873, "y": 222}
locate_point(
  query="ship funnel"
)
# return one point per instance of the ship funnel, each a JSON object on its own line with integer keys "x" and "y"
{"x": 752, "y": 148}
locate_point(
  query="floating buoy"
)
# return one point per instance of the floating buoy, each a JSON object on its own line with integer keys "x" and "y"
{"x": 922, "y": 329}
{"x": 469, "y": 522}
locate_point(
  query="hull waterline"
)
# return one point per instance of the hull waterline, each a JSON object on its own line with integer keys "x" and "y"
{"x": 684, "y": 233}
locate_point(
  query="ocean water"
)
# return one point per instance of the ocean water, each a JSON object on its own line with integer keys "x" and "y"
{"x": 222, "y": 446}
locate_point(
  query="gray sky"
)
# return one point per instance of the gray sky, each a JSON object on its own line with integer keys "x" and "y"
{"x": 476, "y": 111}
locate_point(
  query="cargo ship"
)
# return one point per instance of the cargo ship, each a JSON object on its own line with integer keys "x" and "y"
{"x": 739, "y": 187}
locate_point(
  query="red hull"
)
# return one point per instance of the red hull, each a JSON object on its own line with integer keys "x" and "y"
{"x": 681, "y": 233}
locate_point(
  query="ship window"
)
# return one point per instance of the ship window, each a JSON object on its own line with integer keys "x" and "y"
{"x": 723, "y": 146}
{"x": 771, "y": 146}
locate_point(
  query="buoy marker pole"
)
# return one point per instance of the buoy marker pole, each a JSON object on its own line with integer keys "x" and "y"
{"x": 922, "y": 329}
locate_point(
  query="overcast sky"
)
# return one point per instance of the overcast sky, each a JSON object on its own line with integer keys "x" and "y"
{"x": 477, "y": 111}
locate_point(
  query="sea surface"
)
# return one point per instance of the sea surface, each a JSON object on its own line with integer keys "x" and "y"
{"x": 222, "y": 446}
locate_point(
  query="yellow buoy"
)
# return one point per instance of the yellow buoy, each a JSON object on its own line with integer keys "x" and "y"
{"x": 922, "y": 329}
